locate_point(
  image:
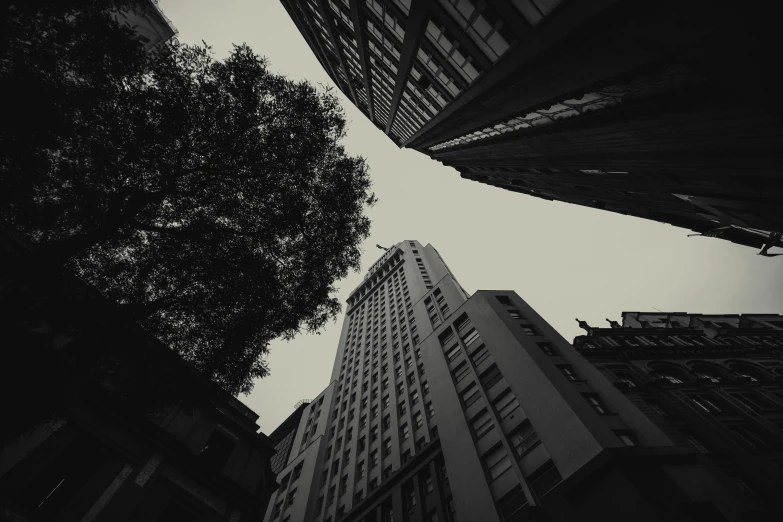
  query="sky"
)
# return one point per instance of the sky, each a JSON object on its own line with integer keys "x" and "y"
{"x": 566, "y": 261}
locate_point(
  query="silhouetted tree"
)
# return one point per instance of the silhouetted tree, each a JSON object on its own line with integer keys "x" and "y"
{"x": 211, "y": 199}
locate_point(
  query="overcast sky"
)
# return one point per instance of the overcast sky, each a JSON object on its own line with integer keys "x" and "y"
{"x": 564, "y": 260}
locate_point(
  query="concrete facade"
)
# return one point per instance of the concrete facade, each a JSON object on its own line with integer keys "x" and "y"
{"x": 636, "y": 107}
{"x": 446, "y": 407}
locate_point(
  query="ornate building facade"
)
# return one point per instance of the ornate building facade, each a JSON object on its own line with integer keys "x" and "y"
{"x": 714, "y": 382}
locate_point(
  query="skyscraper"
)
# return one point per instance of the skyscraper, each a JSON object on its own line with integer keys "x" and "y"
{"x": 640, "y": 108}
{"x": 444, "y": 406}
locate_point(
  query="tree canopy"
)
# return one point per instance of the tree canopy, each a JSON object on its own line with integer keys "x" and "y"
{"x": 210, "y": 198}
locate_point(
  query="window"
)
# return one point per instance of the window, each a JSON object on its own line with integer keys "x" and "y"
{"x": 482, "y": 424}
{"x": 480, "y": 355}
{"x": 470, "y": 395}
{"x": 530, "y": 330}
{"x": 387, "y": 447}
{"x": 297, "y": 471}
{"x": 496, "y": 461}
{"x": 417, "y": 420}
{"x": 491, "y": 377}
{"x": 470, "y": 337}
{"x": 452, "y": 353}
{"x": 292, "y": 497}
{"x": 705, "y": 402}
{"x": 414, "y": 397}
{"x": 512, "y": 503}
{"x": 461, "y": 371}
{"x": 753, "y": 401}
{"x": 406, "y": 455}
{"x": 430, "y": 410}
{"x": 386, "y": 422}
{"x": 569, "y": 372}
{"x": 373, "y": 458}
{"x": 405, "y": 432}
{"x": 360, "y": 470}
{"x": 278, "y": 508}
{"x": 217, "y": 450}
{"x": 524, "y": 438}
{"x": 627, "y": 436}
{"x": 515, "y": 314}
{"x": 547, "y": 348}
{"x": 593, "y": 400}
{"x": 504, "y": 300}
{"x": 401, "y": 408}
{"x": 428, "y": 485}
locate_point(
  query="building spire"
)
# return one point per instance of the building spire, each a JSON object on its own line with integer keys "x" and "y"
{"x": 613, "y": 324}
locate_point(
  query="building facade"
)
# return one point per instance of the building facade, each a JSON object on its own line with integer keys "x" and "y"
{"x": 712, "y": 381}
{"x": 101, "y": 422}
{"x": 640, "y": 108}
{"x": 444, "y": 407}
{"x": 151, "y": 25}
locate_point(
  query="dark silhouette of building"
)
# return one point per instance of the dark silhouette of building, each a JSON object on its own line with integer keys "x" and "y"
{"x": 102, "y": 422}
{"x": 641, "y": 108}
{"x": 450, "y": 407}
{"x": 283, "y": 437}
{"x": 711, "y": 381}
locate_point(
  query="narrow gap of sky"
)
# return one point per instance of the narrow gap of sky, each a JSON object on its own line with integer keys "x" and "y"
{"x": 565, "y": 260}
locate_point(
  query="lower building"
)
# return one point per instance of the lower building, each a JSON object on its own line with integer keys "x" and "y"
{"x": 449, "y": 407}
{"x": 102, "y": 422}
{"x": 714, "y": 382}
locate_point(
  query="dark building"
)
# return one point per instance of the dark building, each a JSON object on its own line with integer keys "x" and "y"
{"x": 641, "y": 108}
{"x": 449, "y": 407}
{"x": 283, "y": 437}
{"x": 712, "y": 381}
{"x": 102, "y": 422}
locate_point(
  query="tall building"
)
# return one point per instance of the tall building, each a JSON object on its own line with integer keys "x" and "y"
{"x": 640, "y": 108}
{"x": 149, "y": 23}
{"x": 711, "y": 381}
{"x": 449, "y": 407}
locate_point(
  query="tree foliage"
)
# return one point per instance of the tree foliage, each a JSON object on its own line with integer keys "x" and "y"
{"x": 212, "y": 199}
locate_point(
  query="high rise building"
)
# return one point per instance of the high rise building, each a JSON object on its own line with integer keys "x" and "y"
{"x": 444, "y": 407}
{"x": 711, "y": 381}
{"x": 640, "y": 108}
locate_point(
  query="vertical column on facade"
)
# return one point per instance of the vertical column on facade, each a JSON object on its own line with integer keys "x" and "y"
{"x": 414, "y": 30}
{"x": 314, "y": 43}
{"x": 397, "y": 505}
{"x": 359, "y": 21}
{"x": 437, "y": 490}
{"x": 419, "y": 496}
{"x": 338, "y": 47}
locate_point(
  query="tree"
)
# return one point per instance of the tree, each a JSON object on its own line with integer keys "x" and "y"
{"x": 211, "y": 199}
